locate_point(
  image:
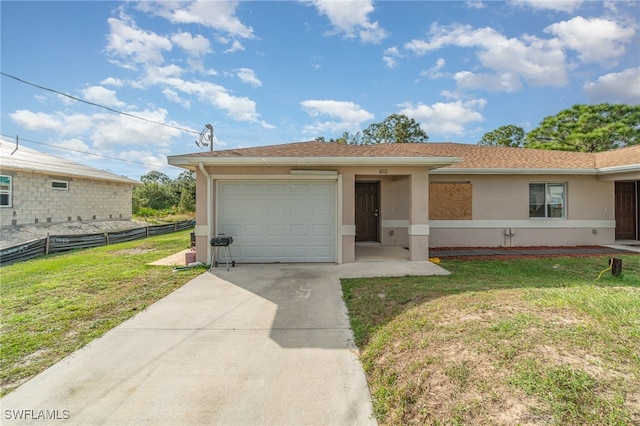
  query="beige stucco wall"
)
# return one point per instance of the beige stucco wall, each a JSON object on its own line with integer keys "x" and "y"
{"x": 395, "y": 188}
{"x": 35, "y": 201}
{"x": 500, "y": 207}
{"x": 500, "y": 210}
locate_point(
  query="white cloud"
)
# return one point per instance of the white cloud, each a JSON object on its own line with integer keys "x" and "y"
{"x": 74, "y": 144}
{"x": 148, "y": 157}
{"x": 39, "y": 120}
{"x": 128, "y": 42}
{"x": 104, "y": 130}
{"x": 506, "y": 82}
{"x": 474, "y": 4}
{"x": 174, "y": 97}
{"x": 434, "y": 72}
{"x": 111, "y": 81}
{"x": 236, "y": 46}
{"x": 536, "y": 61}
{"x": 390, "y": 57}
{"x": 248, "y": 76}
{"x": 595, "y": 40}
{"x": 347, "y": 111}
{"x": 351, "y": 18}
{"x": 109, "y": 130}
{"x": 554, "y": 5}
{"x": 349, "y": 116}
{"x": 218, "y": 15}
{"x": 102, "y": 96}
{"x": 448, "y": 119}
{"x": 195, "y": 46}
{"x": 621, "y": 87}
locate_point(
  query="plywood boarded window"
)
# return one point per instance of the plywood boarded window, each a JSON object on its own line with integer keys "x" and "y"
{"x": 450, "y": 201}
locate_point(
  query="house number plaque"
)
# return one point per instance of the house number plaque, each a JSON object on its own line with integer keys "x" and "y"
{"x": 383, "y": 171}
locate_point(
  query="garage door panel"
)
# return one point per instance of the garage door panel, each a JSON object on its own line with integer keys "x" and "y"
{"x": 299, "y": 209}
{"x": 277, "y": 230}
{"x": 278, "y": 221}
{"x": 322, "y": 231}
{"x": 299, "y": 230}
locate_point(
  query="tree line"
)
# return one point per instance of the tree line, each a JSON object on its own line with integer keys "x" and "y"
{"x": 159, "y": 195}
{"x": 582, "y": 128}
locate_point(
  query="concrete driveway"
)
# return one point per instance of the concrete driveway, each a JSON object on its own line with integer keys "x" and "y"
{"x": 257, "y": 345}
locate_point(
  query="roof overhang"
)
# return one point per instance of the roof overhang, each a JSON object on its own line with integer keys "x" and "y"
{"x": 521, "y": 171}
{"x": 619, "y": 169}
{"x": 62, "y": 173}
{"x": 192, "y": 162}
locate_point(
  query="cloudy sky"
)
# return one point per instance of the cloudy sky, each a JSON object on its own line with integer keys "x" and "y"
{"x": 154, "y": 73}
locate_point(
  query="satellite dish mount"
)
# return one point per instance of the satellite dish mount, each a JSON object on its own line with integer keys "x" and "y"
{"x": 206, "y": 137}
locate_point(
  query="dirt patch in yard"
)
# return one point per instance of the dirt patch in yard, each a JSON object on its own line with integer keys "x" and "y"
{"x": 14, "y": 235}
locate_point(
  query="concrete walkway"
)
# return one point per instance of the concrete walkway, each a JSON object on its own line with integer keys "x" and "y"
{"x": 257, "y": 345}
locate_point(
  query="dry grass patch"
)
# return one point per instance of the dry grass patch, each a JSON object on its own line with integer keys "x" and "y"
{"x": 556, "y": 353}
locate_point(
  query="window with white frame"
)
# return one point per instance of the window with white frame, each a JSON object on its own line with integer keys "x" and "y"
{"x": 548, "y": 200}
{"x": 5, "y": 191}
{"x": 59, "y": 184}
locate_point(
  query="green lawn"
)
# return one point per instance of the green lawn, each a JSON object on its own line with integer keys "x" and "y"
{"x": 52, "y": 306}
{"x": 502, "y": 342}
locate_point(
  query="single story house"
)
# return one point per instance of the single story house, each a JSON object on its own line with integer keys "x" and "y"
{"x": 40, "y": 188}
{"x": 314, "y": 201}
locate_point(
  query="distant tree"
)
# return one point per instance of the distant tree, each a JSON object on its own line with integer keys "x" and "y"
{"x": 153, "y": 195}
{"x": 319, "y": 138}
{"x": 155, "y": 177}
{"x": 184, "y": 186}
{"x": 159, "y": 192}
{"x": 508, "y": 135}
{"x": 588, "y": 128}
{"x": 349, "y": 138}
{"x": 396, "y": 128}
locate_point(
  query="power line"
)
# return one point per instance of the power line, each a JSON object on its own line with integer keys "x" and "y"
{"x": 76, "y": 150}
{"x": 98, "y": 105}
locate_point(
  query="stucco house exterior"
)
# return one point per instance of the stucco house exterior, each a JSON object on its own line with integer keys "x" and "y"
{"x": 39, "y": 188}
{"x": 315, "y": 201}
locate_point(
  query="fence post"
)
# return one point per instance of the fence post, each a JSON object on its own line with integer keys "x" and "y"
{"x": 106, "y": 234}
{"x": 46, "y": 249}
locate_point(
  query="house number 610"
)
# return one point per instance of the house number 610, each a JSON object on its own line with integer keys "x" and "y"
{"x": 383, "y": 171}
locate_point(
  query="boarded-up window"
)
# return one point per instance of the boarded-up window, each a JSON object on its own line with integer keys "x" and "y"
{"x": 450, "y": 201}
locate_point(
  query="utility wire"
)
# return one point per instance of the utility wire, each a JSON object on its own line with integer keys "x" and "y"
{"x": 21, "y": 139}
{"x": 98, "y": 105}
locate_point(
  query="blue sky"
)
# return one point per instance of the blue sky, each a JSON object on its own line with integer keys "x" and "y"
{"x": 269, "y": 72}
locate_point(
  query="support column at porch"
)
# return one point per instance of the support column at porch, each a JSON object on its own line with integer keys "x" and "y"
{"x": 347, "y": 224}
{"x": 419, "y": 216}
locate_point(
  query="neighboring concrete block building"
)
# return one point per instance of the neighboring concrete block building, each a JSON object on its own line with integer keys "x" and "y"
{"x": 40, "y": 188}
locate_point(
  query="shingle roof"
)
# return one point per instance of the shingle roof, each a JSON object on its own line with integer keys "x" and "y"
{"x": 473, "y": 156}
{"x": 27, "y": 159}
{"x": 619, "y": 157}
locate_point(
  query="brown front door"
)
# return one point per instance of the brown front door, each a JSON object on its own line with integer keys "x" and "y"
{"x": 626, "y": 211}
{"x": 367, "y": 211}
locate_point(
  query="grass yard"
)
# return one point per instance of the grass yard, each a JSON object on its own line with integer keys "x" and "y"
{"x": 52, "y": 306}
{"x": 522, "y": 341}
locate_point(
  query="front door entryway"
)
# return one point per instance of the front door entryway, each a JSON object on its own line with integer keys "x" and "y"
{"x": 627, "y": 209}
{"x": 367, "y": 211}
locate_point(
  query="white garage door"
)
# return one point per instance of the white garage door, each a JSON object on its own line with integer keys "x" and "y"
{"x": 279, "y": 221}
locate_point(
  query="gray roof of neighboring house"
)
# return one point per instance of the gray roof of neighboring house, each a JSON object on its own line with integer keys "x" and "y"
{"x": 30, "y": 160}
